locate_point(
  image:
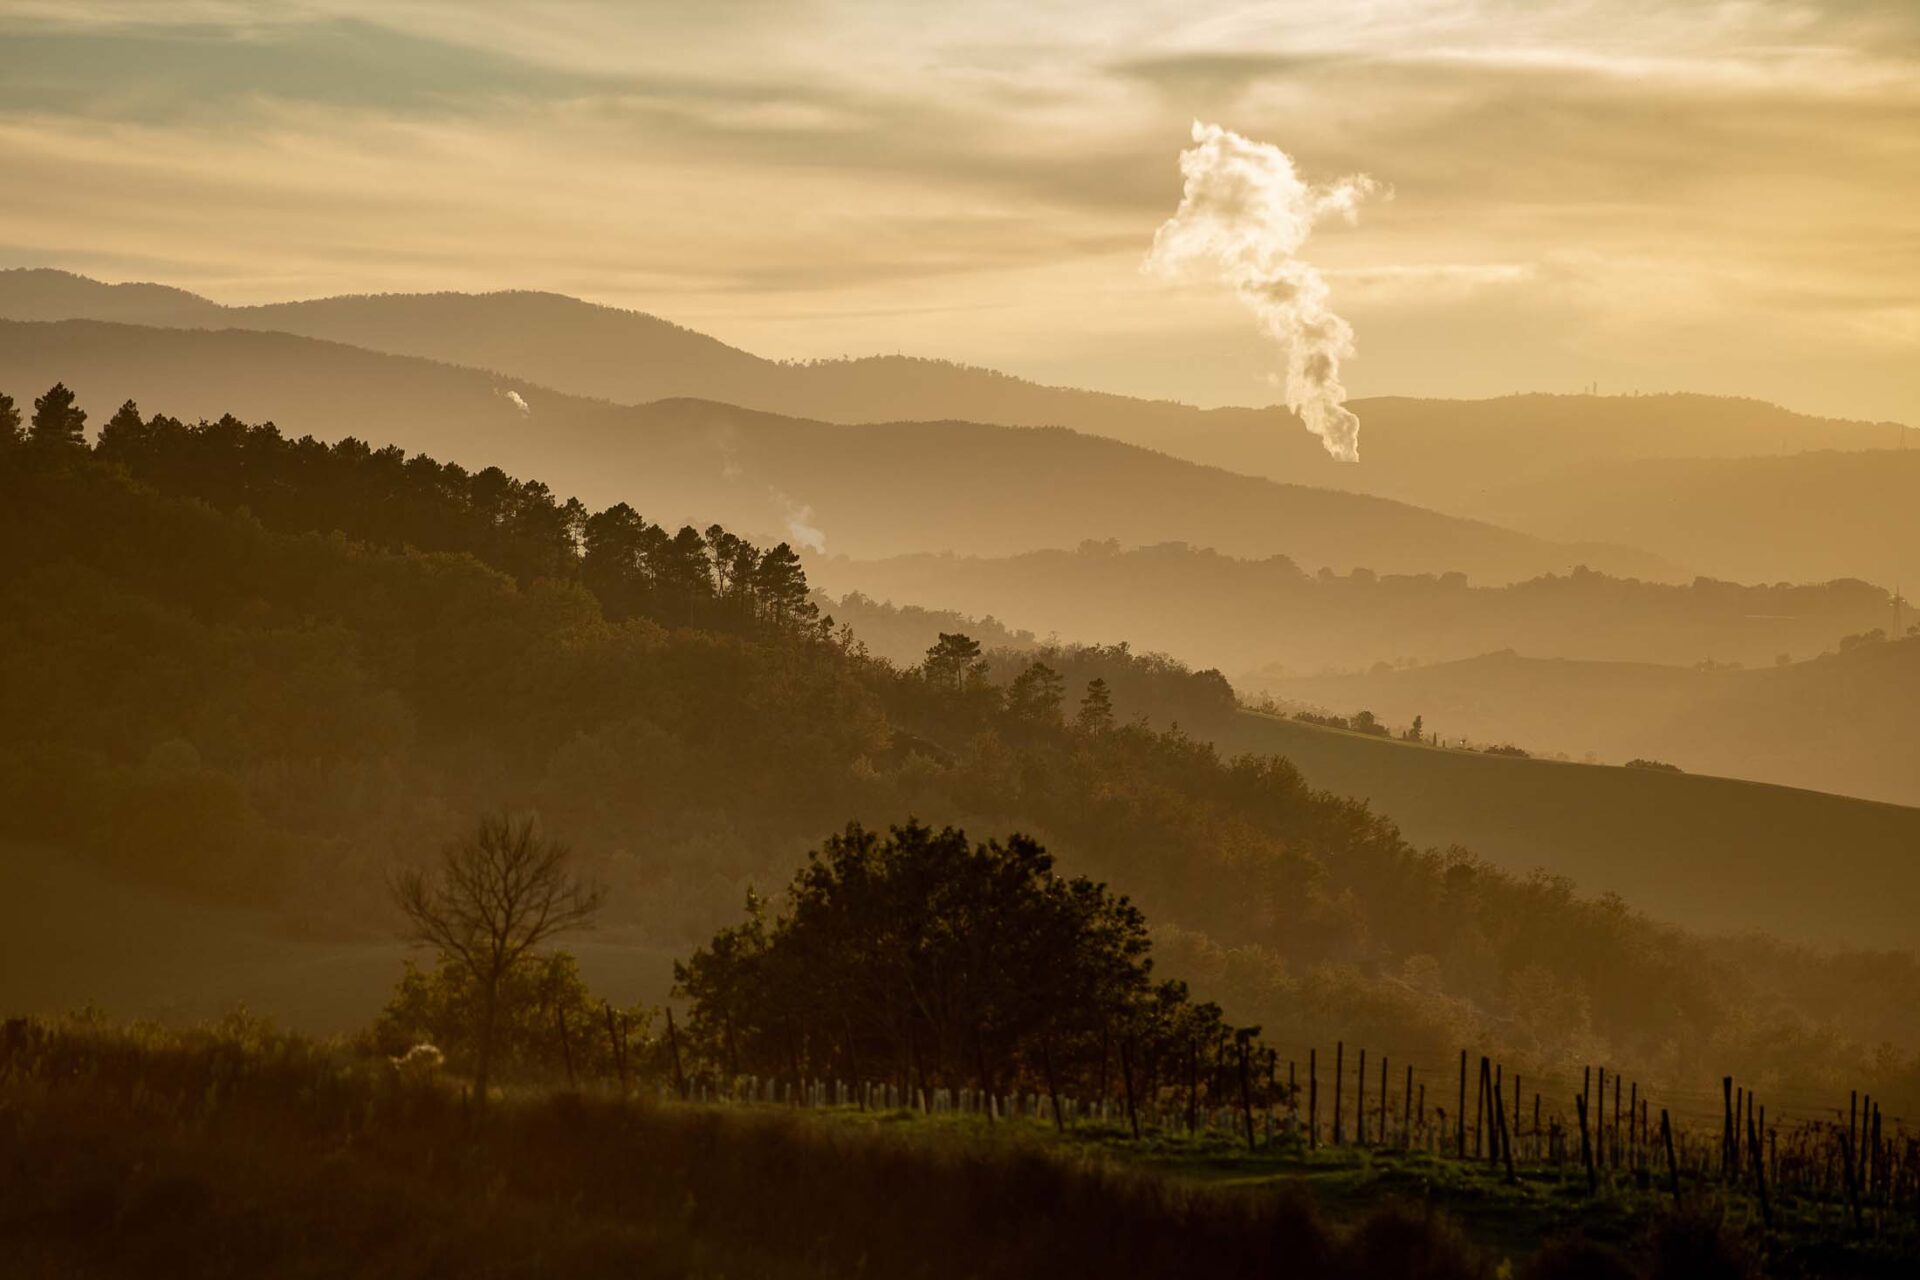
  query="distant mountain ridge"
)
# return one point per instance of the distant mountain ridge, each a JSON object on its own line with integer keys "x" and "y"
{"x": 1435, "y": 453}
{"x": 869, "y": 490}
{"x": 1802, "y": 518}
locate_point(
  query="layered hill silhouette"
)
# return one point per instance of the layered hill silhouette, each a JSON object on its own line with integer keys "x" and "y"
{"x": 1803, "y": 517}
{"x": 1447, "y": 454}
{"x": 869, "y": 490}
{"x": 1268, "y": 616}
{"x": 1716, "y": 852}
{"x": 1841, "y": 722}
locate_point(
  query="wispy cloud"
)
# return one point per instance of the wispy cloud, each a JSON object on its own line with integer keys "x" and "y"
{"x": 816, "y": 178}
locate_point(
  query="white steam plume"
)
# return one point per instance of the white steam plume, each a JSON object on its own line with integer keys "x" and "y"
{"x": 1244, "y": 215}
{"x": 517, "y": 400}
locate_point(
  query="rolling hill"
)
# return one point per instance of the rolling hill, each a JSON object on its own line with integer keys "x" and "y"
{"x": 870, "y": 490}
{"x": 1808, "y": 516}
{"x": 1269, "y": 618}
{"x": 1715, "y": 852}
{"x": 1842, "y": 722}
{"x": 1446, "y": 454}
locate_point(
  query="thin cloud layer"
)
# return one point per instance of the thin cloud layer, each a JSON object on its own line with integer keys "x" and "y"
{"x": 1673, "y": 195}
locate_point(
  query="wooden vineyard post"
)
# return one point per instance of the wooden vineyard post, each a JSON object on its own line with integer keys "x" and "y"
{"x": 1246, "y": 1096}
{"x": 1873, "y": 1159}
{"x": 614, "y": 1046}
{"x": 1313, "y": 1099}
{"x": 1614, "y": 1143}
{"x": 1339, "y": 1079}
{"x": 1495, "y": 1088}
{"x": 1851, "y": 1169}
{"x": 1360, "y": 1102}
{"x": 1673, "y": 1166}
{"x": 1517, "y": 1095}
{"x": 1406, "y": 1100}
{"x": 1380, "y": 1135}
{"x": 1739, "y": 1123}
{"x": 1865, "y": 1148}
{"x": 1496, "y": 1117}
{"x": 1727, "y": 1125}
{"x": 1505, "y": 1138}
{"x": 672, "y": 1042}
{"x": 1759, "y": 1174}
{"x": 1633, "y": 1110}
{"x": 1600, "y": 1120}
{"x": 1126, "y": 1080}
{"x": 1460, "y": 1116}
{"x": 1480, "y": 1095}
{"x": 1586, "y": 1143}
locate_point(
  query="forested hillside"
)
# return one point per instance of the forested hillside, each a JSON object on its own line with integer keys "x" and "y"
{"x": 1716, "y": 853}
{"x": 224, "y": 702}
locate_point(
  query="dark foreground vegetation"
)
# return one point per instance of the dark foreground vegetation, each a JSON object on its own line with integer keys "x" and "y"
{"x": 233, "y": 1151}
{"x": 270, "y": 671}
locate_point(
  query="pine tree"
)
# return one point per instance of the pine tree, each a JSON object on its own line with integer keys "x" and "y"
{"x": 122, "y": 431}
{"x": 781, "y": 588}
{"x": 10, "y": 434}
{"x": 954, "y": 662}
{"x": 1096, "y": 709}
{"x": 58, "y": 423}
{"x": 1034, "y": 696}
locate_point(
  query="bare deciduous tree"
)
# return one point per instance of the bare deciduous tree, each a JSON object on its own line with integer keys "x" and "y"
{"x": 496, "y": 895}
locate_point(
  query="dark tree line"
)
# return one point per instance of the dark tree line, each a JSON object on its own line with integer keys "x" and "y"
{"x": 57, "y": 425}
{"x": 711, "y": 579}
{"x": 923, "y": 958}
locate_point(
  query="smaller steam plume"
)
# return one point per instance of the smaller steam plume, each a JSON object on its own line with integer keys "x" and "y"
{"x": 800, "y": 526}
{"x": 517, "y": 400}
{"x": 1244, "y": 215}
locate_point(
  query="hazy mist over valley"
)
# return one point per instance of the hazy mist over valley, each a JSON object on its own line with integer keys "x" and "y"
{"x": 799, "y": 641}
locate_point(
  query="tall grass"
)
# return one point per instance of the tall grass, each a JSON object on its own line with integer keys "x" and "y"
{"x": 232, "y": 1151}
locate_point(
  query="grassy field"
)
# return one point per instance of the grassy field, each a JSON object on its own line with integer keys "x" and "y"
{"x": 1709, "y": 853}
{"x": 1508, "y": 1220}
{"x": 231, "y": 1151}
{"x": 73, "y": 936}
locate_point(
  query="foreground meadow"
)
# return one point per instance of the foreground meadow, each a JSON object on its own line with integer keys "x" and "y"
{"x": 233, "y": 1151}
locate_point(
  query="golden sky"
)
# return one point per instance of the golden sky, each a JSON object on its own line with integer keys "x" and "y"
{"x": 1653, "y": 194}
